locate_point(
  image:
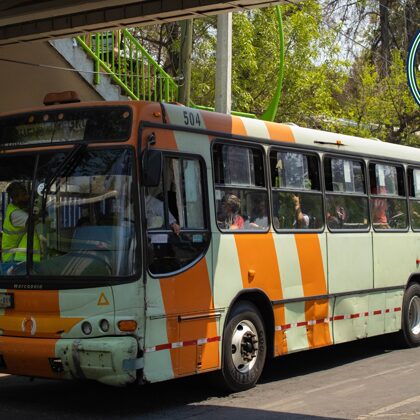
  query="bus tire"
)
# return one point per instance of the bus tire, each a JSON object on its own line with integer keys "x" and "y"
{"x": 244, "y": 347}
{"x": 411, "y": 316}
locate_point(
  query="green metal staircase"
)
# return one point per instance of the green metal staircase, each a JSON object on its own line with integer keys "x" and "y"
{"x": 129, "y": 65}
{"x": 121, "y": 57}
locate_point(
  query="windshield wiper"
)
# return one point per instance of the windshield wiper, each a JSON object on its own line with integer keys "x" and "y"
{"x": 66, "y": 167}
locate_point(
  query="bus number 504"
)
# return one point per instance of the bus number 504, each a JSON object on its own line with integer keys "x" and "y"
{"x": 192, "y": 119}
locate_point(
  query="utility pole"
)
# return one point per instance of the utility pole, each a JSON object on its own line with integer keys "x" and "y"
{"x": 185, "y": 61}
{"x": 223, "y": 100}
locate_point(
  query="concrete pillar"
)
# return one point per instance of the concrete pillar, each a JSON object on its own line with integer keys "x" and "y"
{"x": 223, "y": 100}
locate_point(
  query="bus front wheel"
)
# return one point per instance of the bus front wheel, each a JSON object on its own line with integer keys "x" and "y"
{"x": 244, "y": 347}
{"x": 411, "y": 315}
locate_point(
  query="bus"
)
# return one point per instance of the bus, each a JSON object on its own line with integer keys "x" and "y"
{"x": 162, "y": 241}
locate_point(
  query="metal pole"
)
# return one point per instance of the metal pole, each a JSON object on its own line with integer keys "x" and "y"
{"x": 223, "y": 100}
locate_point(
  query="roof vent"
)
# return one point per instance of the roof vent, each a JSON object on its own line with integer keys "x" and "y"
{"x": 56, "y": 98}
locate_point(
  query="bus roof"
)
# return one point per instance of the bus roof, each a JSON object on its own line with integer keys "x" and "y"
{"x": 254, "y": 128}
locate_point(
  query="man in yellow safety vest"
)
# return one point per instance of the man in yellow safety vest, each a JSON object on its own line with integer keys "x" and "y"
{"x": 14, "y": 238}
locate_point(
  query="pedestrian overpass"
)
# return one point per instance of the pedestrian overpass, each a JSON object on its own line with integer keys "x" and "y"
{"x": 34, "y": 61}
{"x": 23, "y": 20}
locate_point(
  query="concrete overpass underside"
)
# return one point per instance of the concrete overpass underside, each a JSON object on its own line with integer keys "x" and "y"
{"x": 24, "y": 20}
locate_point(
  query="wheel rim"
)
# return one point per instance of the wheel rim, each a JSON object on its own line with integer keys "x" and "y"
{"x": 244, "y": 346}
{"x": 414, "y": 315}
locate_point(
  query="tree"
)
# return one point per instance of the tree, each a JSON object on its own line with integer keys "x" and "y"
{"x": 344, "y": 66}
{"x": 377, "y": 96}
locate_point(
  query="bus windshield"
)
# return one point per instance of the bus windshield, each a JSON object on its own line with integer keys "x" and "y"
{"x": 83, "y": 224}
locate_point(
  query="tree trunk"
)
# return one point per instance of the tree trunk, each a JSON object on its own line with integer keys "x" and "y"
{"x": 385, "y": 37}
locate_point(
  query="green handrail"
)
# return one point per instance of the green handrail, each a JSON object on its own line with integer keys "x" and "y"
{"x": 271, "y": 111}
{"x": 129, "y": 65}
{"x": 132, "y": 68}
{"x": 209, "y": 108}
{"x": 135, "y": 71}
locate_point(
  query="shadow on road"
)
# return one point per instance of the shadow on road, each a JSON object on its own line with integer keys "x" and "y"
{"x": 178, "y": 399}
{"x": 304, "y": 363}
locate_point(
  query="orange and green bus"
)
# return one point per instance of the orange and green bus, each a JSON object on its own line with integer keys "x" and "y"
{"x": 163, "y": 241}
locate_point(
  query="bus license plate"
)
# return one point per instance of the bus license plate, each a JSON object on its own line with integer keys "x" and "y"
{"x": 6, "y": 300}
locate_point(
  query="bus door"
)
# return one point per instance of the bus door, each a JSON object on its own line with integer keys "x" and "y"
{"x": 182, "y": 326}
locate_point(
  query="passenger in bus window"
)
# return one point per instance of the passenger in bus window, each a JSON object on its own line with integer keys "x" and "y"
{"x": 230, "y": 218}
{"x": 336, "y": 217}
{"x": 259, "y": 218}
{"x": 301, "y": 219}
{"x": 379, "y": 209}
{"x": 415, "y": 214}
{"x": 155, "y": 214}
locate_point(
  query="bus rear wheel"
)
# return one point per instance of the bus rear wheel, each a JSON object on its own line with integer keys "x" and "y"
{"x": 244, "y": 347}
{"x": 411, "y": 315}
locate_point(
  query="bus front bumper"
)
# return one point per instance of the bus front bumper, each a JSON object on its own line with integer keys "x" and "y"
{"x": 110, "y": 360}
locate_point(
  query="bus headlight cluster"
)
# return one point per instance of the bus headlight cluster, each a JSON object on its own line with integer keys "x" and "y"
{"x": 103, "y": 326}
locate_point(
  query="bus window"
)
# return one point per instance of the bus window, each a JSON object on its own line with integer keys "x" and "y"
{"x": 297, "y": 197}
{"x": 388, "y": 201}
{"x": 240, "y": 190}
{"x": 347, "y": 202}
{"x": 414, "y": 193}
{"x": 176, "y": 218}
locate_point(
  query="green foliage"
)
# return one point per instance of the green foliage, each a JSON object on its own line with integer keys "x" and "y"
{"x": 381, "y": 107}
{"x": 203, "y": 73}
{"x": 314, "y": 73}
{"x": 322, "y": 88}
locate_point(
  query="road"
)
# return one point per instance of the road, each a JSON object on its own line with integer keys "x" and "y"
{"x": 370, "y": 379}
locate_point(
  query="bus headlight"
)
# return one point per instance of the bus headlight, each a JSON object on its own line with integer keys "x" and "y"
{"x": 87, "y": 328}
{"x": 104, "y": 325}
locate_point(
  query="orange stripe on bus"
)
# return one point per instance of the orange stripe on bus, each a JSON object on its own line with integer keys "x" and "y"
{"x": 311, "y": 264}
{"x": 28, "y": 357}
{"x": 190, "y": 293}
{"x": 35, "y": 301}
{"x": 280, "y": 132}
{"x": 216, "y": 122}
{"x": 35, "y": 314}
{"x": 313, "y": 283}
{"x": 257, "y": 255}
{"x": 238, "y": 127}
{"x": 280, "y": 341}
{"x": 165, "y": 139}
{"x": 149, "y": 111}
{"x": 318, "y": 334}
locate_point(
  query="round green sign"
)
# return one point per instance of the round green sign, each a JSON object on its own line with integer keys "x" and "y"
{"x": 413, "y": 73}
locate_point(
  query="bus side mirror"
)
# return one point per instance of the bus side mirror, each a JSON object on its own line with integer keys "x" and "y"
{"x": 151, "y": 167}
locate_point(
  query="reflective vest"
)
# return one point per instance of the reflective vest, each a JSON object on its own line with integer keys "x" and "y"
{"x": 21, "y": 249}
{"x": 12, "y": 235}
{"x": 14, "y": 240}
